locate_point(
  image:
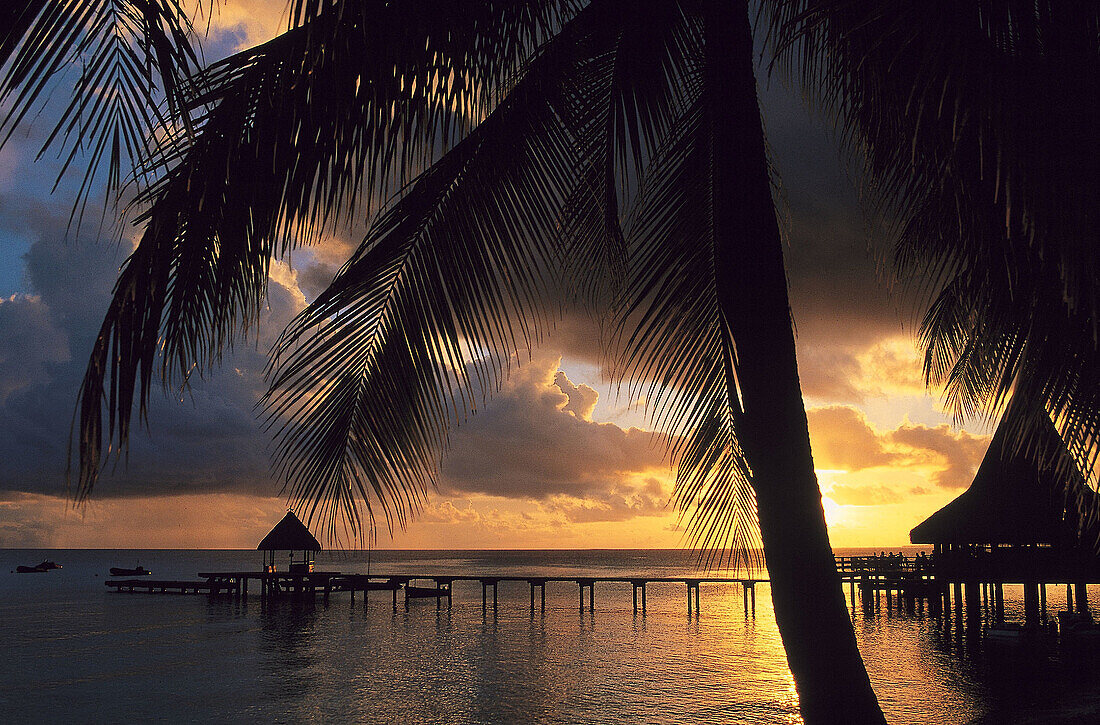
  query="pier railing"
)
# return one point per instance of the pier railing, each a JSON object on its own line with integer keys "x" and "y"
{"x": 885, "y": 565}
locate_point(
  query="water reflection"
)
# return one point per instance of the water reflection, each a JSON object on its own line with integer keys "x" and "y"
{"x": 202, "y": 659}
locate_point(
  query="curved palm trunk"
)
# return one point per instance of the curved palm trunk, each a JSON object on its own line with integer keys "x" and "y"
{"x": 809, "y": 601}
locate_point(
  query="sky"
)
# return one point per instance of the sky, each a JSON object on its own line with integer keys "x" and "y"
{"x": 558, "y": 459}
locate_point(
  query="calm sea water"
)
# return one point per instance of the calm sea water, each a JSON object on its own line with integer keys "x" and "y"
{"x": 74, "y": 652}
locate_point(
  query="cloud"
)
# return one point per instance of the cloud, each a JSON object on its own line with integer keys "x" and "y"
{"x": 241, "y": 24}
{"x": 844, "y": 442}
{"x": 960, "y": 453}
{"x": 535, "y": 442}
{"x": 542, "y": 450}
{"x": 199, "y": 440}
{"x": 204, "y": 521}
{"x": 616, "y": 503}
{"x": 29, "y": 342}
{"x": 875, "y": 495}
{"x": 445, "y": 512}
{"x": 842, "y": 438}
{"x": 582, "y": 398}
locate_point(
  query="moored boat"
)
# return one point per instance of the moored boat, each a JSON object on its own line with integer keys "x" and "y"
{"x": 38, "y": 568}
{"x": 137, "y": 571}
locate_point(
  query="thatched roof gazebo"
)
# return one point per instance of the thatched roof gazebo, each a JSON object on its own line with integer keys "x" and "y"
{"x": 1028, "y": 514}
{"x": 290, "y": 535}
{"x": 1011, "y": 501}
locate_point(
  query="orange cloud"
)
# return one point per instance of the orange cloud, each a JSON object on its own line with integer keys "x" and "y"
{"x": 842, "y": 438}
{"x": 247, "y": 22}
{"x": 535, "y": 441}
{"x": 582, "y": 398}
{"x": 958, "y": 452}
{"x": 875, "y": 495}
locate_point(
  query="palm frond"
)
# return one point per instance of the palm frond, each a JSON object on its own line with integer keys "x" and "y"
{"x": 125, "y": 60}
{"x": 974, "y": 122}
{"x": 459, "y": 277}
{"x": 288, "y": 136}
{"x": 678, "y": 349}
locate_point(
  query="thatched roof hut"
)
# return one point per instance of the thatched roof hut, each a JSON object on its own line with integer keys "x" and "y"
{"x": 1031, "y": 496}
{"x": 290, "y": 535}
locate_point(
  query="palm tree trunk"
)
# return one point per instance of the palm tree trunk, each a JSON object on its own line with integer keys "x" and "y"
{"x": 810, "y": 610}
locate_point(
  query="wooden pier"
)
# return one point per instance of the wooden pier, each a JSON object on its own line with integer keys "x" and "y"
{"x": 299, "y": 584}
{"x": 904, "y": 581}
{"x": 168, "y": 586}
{"x": 441, "y": 586}
{"x": 900, "y": 578}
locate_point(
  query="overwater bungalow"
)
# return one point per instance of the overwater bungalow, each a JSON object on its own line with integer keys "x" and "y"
{"x": 1028, "y": 518}
{"x": 290, "y": 535}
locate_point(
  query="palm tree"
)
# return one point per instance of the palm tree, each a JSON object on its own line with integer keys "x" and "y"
{"x": 609, "y": 148}
{"x": 612, "y": 144}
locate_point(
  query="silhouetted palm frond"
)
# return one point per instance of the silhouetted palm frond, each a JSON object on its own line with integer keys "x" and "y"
{"x": 289, "y": 137}
{"x": 125, "y": 60}
{"x": 678, "y": 348}
{"x": 977, "y": 124}
{"x": 464, "y": 272}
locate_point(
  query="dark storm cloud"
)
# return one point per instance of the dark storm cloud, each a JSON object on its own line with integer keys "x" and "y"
{"x": 203, "y": 439}
{"x": 29, "y": 342}
{"x": 841, "y": 303}
{"x": 534, "y": 442}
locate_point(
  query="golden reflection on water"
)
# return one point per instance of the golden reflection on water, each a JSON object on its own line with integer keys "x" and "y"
{"x": 607, "y": 666}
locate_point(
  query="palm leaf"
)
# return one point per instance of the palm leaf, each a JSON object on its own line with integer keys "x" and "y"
{"x": 125, "y": 60}
{"x": 678, "y": 350}
{"x": 973, "y": 122}
{"x": 289, "y": 135}
{"x": 462, "y": 274}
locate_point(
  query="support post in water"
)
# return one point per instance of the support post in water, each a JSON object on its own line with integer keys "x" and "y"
{"x": 638, "y": 586}
{"x": 693, "y": 587}
{"x": 541, "y": 584}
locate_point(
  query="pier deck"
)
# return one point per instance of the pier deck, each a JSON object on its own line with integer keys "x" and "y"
{"x": 908, "y": 577}
{"x": 281, "y": 583}
{"x": 168, "y": 586}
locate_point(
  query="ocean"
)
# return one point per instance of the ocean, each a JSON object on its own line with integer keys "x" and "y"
{"x": 75, "y": 652}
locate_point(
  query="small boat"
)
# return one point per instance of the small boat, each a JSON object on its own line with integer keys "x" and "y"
{"x": 139, "y": 570}
{"x": 37, "y": 569}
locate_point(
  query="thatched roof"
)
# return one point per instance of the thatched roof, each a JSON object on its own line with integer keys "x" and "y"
{"x": 1016, "y": 500}
{"x": 290, "y": 534}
